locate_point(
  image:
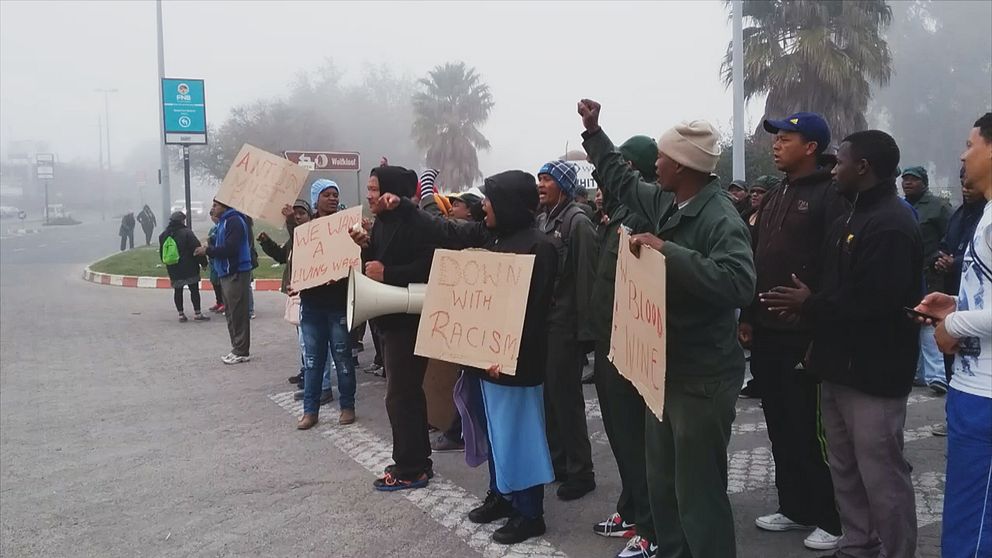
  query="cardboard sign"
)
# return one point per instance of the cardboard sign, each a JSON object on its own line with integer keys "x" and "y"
{"x": 323, "y": 251}
{"x": 638, "y": 341}
{"x": 474, "y": 308}
{"x": 259, "y": 184}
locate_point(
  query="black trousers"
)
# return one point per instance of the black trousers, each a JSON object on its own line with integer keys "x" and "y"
{"x": 406, "y": 404}
{"x": 565, "y": 410}
{"x": 125, "y": 238}
{"x": 148, "y": 235}
{"x": 791, "y": 401}
{"x": 623, "y": 421}
{"x": 194, "y": 296}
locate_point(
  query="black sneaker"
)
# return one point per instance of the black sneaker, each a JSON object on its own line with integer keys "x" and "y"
{"x": 518, "y": 529}
{"x": 444, "y": 444}
{"x": 182, "y": 318}
{"x": 749, "y": 392}
{"x": 297, "y": 379}
{"x": 298, "y": 396}
{"x": 573, "y": 490}
{"x": 494, "y": 507}
{"x": 939, "y": 387}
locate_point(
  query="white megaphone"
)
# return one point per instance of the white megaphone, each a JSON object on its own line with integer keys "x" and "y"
{"x": 368, "y": 299}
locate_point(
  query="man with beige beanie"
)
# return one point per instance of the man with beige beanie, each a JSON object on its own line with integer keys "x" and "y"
{"x": 710, "y": 274}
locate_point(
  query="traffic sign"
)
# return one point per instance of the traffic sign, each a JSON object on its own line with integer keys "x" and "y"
{"x": 45, "y": 165}
{"x": 185, "y": 111}
{"x": 326, "y": 160}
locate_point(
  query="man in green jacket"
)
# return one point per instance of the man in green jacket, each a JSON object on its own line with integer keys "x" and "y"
{"x": 621, "y": 406}
{"x": 710, "y": 274}
{"x": 933, "y": 214}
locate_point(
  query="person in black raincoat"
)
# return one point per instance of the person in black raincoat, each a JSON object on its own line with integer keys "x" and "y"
{"x": 186, "y": 272}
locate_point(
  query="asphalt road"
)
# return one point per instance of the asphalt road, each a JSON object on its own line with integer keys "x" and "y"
{"x": 122, "y": 434}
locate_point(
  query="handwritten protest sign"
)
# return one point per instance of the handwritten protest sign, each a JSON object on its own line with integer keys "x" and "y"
{"x": 474, "y": 308}
{"x": 637, "y": 344}
{"x": 259, "y": 184}
{"x": 323, "y": 251}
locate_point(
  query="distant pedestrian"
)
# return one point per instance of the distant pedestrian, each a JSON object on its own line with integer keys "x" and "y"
{"x": 176, "y": 246}
{"x": 147, "y": 220}
{"x": 126, "y": 231}
{"x": 231, "y": 255}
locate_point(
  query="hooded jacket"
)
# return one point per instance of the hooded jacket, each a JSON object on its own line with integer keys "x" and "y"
{"x": 571, "y": 231}
{"x": 189, "y": 265}
{"x": 399, "y": 242}
{"x": 793, "y": 221}
{"x": 513, "y": 195}
{"x": 871, "y": 270}
{"x": 933, "y": 214}
{"x": 232, "y": 249}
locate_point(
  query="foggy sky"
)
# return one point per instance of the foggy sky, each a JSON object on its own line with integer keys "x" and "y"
{"x": 650, "y": 64}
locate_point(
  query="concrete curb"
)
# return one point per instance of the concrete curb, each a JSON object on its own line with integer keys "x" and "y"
{"x": 163, "y": 282}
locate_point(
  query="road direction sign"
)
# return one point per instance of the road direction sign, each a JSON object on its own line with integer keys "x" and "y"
{"x": 326, "y": 160}
{"x": 185, "y": 111}
{"x": 45, "y": 165}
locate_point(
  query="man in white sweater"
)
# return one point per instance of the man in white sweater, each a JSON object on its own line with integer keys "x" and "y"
{"x": 964, "y": 328}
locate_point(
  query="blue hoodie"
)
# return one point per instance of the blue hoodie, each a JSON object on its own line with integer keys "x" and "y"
{"x": 231, "y": 252}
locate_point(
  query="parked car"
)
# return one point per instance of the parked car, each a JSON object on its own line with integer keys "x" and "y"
{"x": 9, "y": 211}
{"x": 195, "y": 207}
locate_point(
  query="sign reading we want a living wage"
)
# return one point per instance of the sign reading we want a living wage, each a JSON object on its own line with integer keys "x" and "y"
{"x": 260, "y": 184}
{"x": 323, "y": 250}
{"x": 473, "y": 312}
{"x": 638, "y": 340}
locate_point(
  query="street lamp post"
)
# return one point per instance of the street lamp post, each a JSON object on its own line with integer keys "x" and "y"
{"x": 106, "y": 118}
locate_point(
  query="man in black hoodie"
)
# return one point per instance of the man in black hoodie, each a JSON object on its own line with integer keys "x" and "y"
{"x": 509, "y": 410}
{"x": 865, "y": 348}
{"x": 793, "y": 221}
{"x": 397, "y": 252}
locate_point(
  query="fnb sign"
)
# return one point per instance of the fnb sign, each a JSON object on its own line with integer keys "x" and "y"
{"x": 326, "y": 160}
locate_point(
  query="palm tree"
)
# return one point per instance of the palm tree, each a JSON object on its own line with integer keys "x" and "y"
{"x": 810, "y": 55}
{"x": 452, "y": 104}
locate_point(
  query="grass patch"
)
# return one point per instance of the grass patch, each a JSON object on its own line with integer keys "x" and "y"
{"x": 144, "y": 261}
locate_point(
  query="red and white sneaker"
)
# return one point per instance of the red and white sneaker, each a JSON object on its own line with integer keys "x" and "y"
{"x": 614, "y": 526}
{"x": 638, "y": 547}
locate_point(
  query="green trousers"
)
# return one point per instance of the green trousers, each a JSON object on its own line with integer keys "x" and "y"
{"x": 687, "y": 469}
{"x": 623, "y": 420}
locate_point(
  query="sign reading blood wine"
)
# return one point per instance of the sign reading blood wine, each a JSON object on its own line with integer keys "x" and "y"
{"x": 637, "y": 344}
{"x": 473, "y": 311}
{"x": 259, "y": 184}
{"x": 323, "y": 250}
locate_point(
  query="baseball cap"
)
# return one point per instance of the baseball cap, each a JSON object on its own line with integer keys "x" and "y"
{"x": 739, "y": 184}
{"x": 918, "y": 172}
{"x": 809, "y": 124}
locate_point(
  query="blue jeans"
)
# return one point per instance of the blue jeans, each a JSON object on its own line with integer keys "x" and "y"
{"x": 321, "y": 327}
{"x": 326, "y": 385}
{"x": 967, "y": 526}
{"x": 930, "y": 367}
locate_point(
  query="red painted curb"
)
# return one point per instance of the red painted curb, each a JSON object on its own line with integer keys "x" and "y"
{"x": 163, "y": 282}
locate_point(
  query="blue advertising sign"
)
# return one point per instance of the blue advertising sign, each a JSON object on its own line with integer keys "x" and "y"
{"x": 185, "y": 111}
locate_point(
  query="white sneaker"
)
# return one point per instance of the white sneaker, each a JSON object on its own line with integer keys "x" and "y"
{"x": 638, "y": 547}
{"x": 232, "y": 358}
{"x": 614, "y": 526}
{"x": 821, "y": 540}
{"x": 778, "y": 522}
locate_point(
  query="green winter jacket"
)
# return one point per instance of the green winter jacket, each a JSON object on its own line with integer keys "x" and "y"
{"x": 933, "y": 213}
{"x": 710, "y": 268}
{"x": 572, "y": 233}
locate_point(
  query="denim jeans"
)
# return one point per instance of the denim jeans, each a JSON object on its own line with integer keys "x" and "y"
{"x": 320, "y": 327}
{"x": 326, "y": 385}
{"x": 930, "y": 367}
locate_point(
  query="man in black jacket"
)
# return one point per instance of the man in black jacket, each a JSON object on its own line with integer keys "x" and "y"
{"x": 865, "y": 348}
{"x": 397, "y": 252}
{"x": 793, "y": 221}
{"x": 186, "y": 271}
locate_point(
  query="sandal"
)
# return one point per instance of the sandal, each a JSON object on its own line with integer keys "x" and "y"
{"x": 389, "y": 483}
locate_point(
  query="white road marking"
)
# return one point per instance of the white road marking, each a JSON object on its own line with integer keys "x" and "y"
{"x": 444, "y": 501}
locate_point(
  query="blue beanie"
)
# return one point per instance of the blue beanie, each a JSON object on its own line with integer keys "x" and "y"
{"x": 319, "y": 186}
{"x": 565, "y": 174}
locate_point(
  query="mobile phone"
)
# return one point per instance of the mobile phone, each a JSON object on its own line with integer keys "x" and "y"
{"x": 915, "y": 314}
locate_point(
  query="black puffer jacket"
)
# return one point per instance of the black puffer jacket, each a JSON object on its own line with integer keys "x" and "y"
{"x": 513, "y": 195}
{"x": 189, "y": 265}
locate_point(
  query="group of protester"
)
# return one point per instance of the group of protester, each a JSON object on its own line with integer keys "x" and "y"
{"x": 128, "y": 223}
{"x": 825, "y": 274}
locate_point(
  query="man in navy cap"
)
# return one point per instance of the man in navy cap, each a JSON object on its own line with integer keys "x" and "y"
{"x": 794, "y": 219}
{"x": 570, "y": 336}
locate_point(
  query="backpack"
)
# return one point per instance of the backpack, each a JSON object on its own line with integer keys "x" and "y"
{"x": 170, "y": 251}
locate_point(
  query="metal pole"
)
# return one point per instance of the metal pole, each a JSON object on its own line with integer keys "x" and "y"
{"x": 163, "y": 149}
{"x": 103, "y": 177}
{"x": 46, "y": 201}
{"x": 738, "y": 82}
{"x": 189, "y": 212}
